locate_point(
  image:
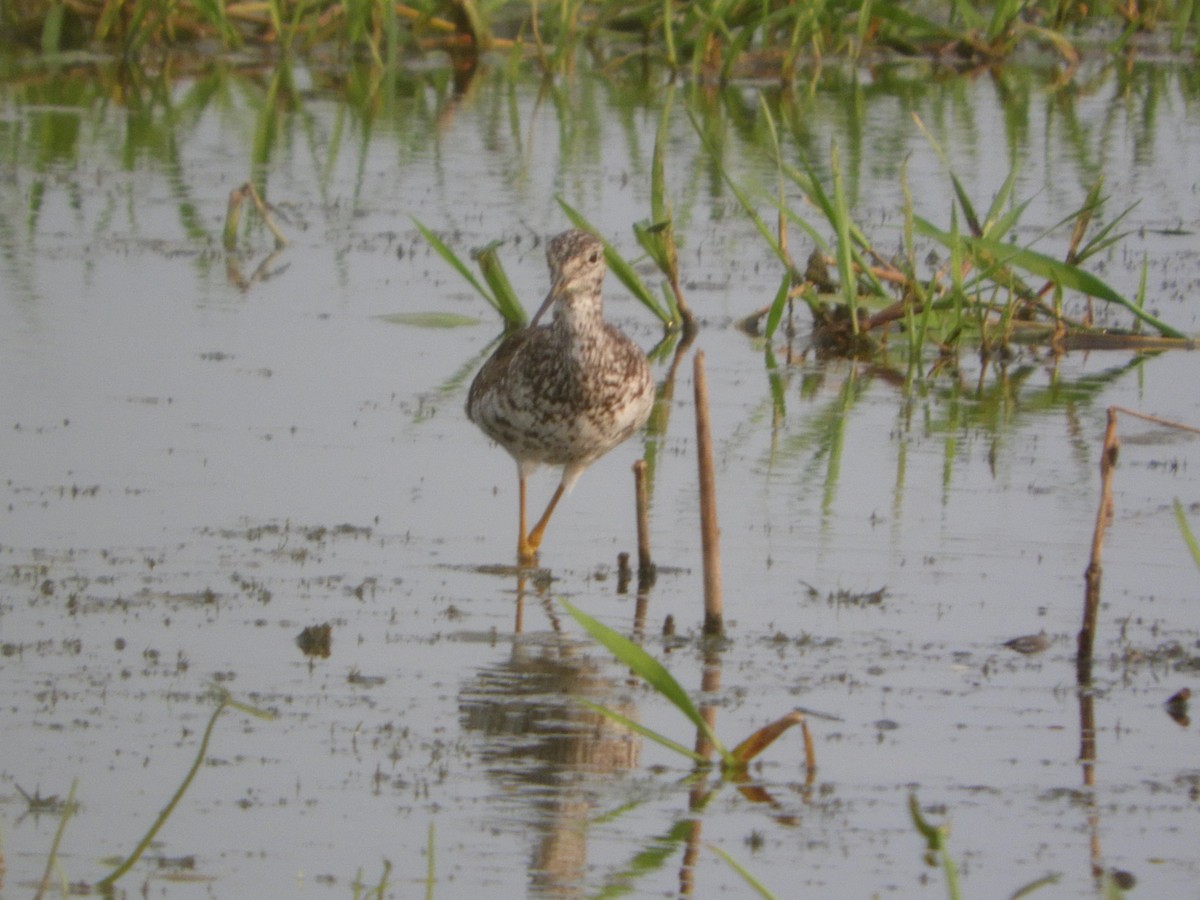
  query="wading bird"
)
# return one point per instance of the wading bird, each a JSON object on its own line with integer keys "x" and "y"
{"x": 566, "y": 393}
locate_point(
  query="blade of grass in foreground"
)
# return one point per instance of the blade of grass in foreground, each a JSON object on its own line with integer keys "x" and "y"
{"x": 457, "y": 264}
{"x": 502, "y": 289}
{"x": 935, "y": 844}
{"x": 515, "y": 316}
{"x": 1186, "y": 530}
{"x": 224, "y": 699}
{"x": 653, "y": 673}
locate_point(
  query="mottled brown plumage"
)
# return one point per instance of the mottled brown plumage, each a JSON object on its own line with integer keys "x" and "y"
{"x": 566, "y": 393}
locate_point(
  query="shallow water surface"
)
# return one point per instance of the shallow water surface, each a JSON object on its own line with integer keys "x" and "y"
{"x": 205, "y": 455}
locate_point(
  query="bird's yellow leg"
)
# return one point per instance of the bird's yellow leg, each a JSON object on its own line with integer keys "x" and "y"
{"x": 526, "y": 552}
{"x": 535, "y": 537}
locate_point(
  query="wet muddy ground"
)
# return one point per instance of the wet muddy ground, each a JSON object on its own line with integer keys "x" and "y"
{"x": 202, "y": 470}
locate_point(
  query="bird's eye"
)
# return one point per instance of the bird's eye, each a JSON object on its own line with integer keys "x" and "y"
{"x": 594, "y": 257}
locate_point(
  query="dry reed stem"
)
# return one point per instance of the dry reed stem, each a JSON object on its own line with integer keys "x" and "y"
{"x": 646, "y": 569}
{"x": 810, "y": 754}
{"x": 714, "y": 619}
{"x": 764, "y": 737}
{"x": 234, "y": 212}
{"x": 1091, "y": 603}
{"x": 1104, "y": 515}
{"x": 1157, "y": 420}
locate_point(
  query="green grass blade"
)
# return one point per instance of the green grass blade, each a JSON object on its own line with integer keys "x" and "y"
{"x": 965, "y": 203}
{"x": 650, "y": 237}
{"x": 52, "y": 27}
{"x": 1188, "y": 536}
{"x": 68, "y": 810}
{"x": 105, "y": 884}
{"x": 428, "y": 319}
{"x": 1140, "y": 299}
{"x": 841, "y": 222}
{"x": 808, "y": 182}
{"x": 765, "y": 110}
{"x": 754, "y": 883}
{"x": 1104, "y": 238}
{"x": 669, "y": 33}
{"x": 741, "y": 196}
{"x": 1036, "y": 885}
{"x": 1061, "y": 273}
{"x": 430, "y": 862}
{"x": 935, "y": 842}
{"x": 648, "y": 669}
{"x": 213, "y": 11}
{"x": 502, "y": 289}
{"x": 457, "y": 264}
{"x": 915, "y": 27}
{"x": 660, "y": 210}
{"x": 1070, "y": 277}
{"x": 997, "y": 228}
{"x": 638, "y": 727}
{"x": 963, "y": 200}
{"x": 778, "y": 305}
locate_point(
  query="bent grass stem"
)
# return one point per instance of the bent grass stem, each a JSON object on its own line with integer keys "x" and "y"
{"x": 106, "y": 883}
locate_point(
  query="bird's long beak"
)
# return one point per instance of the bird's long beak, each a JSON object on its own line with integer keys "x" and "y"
{"x": 556, "y": 291}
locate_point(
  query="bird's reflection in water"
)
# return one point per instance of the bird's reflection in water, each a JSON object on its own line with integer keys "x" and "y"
{"x": 544, "y": 748}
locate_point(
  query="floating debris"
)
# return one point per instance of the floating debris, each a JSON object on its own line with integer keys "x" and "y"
{"x": 316, "y": 640}
{"x": 1028, "y": 643}
{"x": 1177, "y": 706}
{"x": 357, "y": 677}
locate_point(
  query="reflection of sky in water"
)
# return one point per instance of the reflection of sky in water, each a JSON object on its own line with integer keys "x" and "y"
{"x": 187, "y": 412}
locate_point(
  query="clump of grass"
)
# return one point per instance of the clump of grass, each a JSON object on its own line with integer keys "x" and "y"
{"x": 714, "y": 41}
{"x": 988, "y": 287}
{"x": 360, "y": 891}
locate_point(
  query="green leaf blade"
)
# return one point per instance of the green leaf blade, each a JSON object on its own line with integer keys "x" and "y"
{"x": 647, "y": 668}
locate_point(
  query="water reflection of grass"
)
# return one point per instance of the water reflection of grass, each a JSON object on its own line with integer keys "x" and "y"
{"x": 161, "y": 110}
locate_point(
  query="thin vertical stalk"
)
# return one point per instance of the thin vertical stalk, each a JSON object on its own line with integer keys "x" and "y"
{"x": 668, "y": 14}
{"x": 430, "y": 864}
{"x": 645, "y": 563}
{"x": 1092, "y": 577}
{"x": 67, "y": 811}
{"x": 714, "y": 619}
{"x": 845, "y": 251}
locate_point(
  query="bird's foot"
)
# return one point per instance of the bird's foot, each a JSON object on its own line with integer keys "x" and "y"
{"x": 527, "y": 554}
